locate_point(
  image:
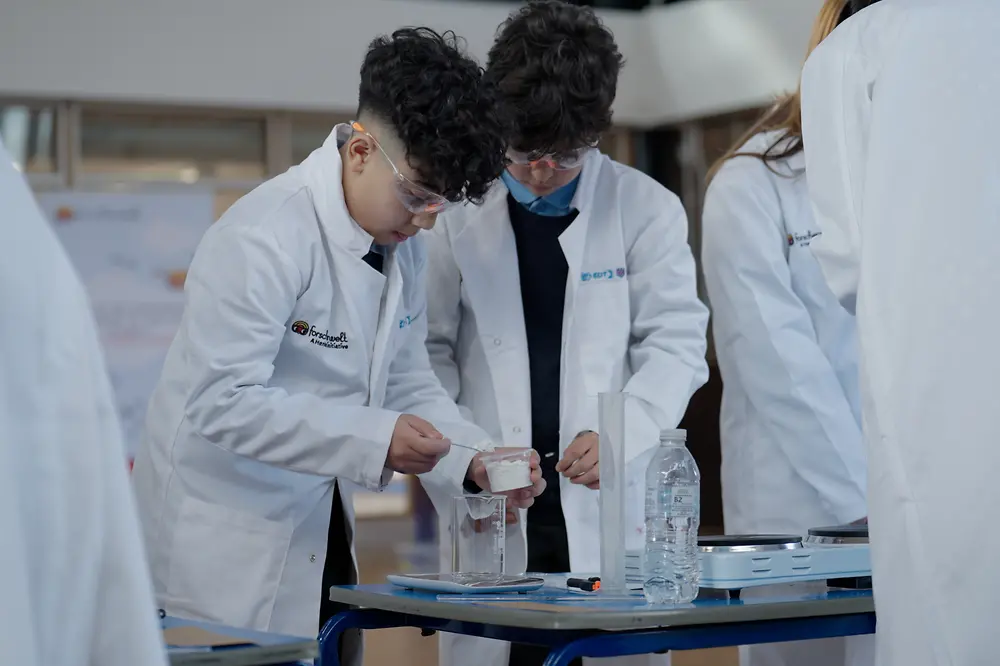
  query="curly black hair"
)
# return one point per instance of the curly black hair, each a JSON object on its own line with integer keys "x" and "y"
{"x": 555, "y": 66}
{"x": 422, "y": 85}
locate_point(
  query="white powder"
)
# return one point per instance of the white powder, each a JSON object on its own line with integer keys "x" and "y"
{"x": 508, "y": 475}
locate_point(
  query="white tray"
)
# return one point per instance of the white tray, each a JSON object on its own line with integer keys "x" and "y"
{"x": 466, "y": 583}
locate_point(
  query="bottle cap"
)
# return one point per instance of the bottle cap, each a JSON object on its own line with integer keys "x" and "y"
{"x": 676, "y": 434}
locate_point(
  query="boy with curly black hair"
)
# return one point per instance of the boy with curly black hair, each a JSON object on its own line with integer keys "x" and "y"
{"x": 300, "y": 361}
{"x": 573, "y": 278}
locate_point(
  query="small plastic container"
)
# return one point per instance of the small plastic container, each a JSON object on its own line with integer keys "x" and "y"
{"x": 508, "y": 470}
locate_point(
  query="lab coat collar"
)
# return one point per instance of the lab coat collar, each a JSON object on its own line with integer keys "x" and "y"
{"x": 324, "y": 170}
{"x": 587, "y": 180}
{"x": 791, "y": 166}
{"x": 797, "y": 162}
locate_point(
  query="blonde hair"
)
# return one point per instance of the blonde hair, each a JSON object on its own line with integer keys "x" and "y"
{"x": 785, "y": 115}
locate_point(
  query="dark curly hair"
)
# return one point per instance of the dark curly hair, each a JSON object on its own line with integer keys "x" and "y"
{"x": 556, "y": 69}
{"x": 422, "y": 85}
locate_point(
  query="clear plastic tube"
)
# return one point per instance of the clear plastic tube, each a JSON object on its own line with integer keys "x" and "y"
{"x": 611, "y": 420}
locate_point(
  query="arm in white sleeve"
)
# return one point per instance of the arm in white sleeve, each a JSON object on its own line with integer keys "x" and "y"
{"x": 669, "y": 321}
{"x": 414, "y": 388}
{"x": 128, "y": 629}
{"x": 764, "y": 338}
{"x": 836, "y": 107}
{"x": 241, "y": 290}
{"x": 73, "y": 574}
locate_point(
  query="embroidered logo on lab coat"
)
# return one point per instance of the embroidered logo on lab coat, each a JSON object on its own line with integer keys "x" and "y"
{"x": 406, "y": 321}
{"x": 321, "y": 338}
{"x": 596, "y": 276}
{"x": 802, "y": 240}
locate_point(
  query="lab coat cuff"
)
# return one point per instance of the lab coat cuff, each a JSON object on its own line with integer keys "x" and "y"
{"x": 448, "y": 476}
{"x": 376, "y": 475}
{"x": 462, "y": 460}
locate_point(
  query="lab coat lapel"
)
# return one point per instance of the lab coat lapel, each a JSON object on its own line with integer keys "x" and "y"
{"x": 574, "y": 239}
{"x": 388, "y": 322}
{"x": 574, "y": 246}
{"x": 486, "y": 254}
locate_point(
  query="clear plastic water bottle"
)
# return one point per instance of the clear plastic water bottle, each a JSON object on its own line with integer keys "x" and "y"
{"x": 673, "y": 512}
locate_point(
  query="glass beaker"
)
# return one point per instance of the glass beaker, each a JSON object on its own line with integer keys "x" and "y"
{"x": 478, "y": 534}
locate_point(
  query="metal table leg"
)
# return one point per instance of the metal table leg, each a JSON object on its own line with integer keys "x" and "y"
{"x": 329, "y": 637}
{"x": 568, "y": 645}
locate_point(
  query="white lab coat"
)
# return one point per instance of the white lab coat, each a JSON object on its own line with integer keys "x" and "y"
{"x": 632, "y": 322}
{"x": 792, "y": 451}
{"x": 73, "y": 573}
{"x": 286, "y": 375}
{"x": 899, "y": 113}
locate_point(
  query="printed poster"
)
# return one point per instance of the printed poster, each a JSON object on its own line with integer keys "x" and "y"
{"x": 132, "y": 251}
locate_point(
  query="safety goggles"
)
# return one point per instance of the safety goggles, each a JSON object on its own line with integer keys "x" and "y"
{"x": 416, "y": 198}
{"x": 564, "y": 161}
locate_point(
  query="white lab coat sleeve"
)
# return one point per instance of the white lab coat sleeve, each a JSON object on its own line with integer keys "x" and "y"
{"x": 414, "y": 388}
{"x": 765, "y": 336}
{"x": 669, "y": 321}
{"x": 127, "y": 628}
{"x": 444, "y": 312}
{"x": 73, "y": 574}
{"x": 240, "y": 292}
{"x": 836, "y": 105}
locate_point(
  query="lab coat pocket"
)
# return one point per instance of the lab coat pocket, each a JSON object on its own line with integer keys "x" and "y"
{"x": 225, "y": 564}
{"x": 602, "y": 330}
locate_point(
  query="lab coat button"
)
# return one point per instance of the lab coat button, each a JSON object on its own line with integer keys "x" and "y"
{"x": 496, "y": 341}
{"x": 516, "y": 429}
{"x": 312, "y": 558}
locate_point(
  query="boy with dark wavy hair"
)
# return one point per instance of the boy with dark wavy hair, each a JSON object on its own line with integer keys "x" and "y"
{"x": 300, "y": 361}
{"x": 573, "y": 278}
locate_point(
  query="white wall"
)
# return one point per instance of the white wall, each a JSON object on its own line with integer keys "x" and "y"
{"x": 716, "y": 56}
{"x": 684, "y": 60}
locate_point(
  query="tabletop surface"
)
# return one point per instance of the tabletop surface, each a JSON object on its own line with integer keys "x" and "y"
{"x": 550, "y": 607}
{"x": 266, "y": 646}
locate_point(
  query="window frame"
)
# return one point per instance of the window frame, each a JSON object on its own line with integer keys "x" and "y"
{"x": 95, "y": 181}
{"x": 59, "y": 177}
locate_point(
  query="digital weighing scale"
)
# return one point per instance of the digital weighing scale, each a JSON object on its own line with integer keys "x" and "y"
{"x": 837, "y": 555}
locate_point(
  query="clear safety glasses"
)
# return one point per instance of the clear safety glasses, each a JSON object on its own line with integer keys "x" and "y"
{"x": 416, "y": 198}
{"x": 564, "y": 161}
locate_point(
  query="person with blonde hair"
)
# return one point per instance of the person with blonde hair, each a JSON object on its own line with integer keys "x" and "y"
{"x": 792, "y": 451}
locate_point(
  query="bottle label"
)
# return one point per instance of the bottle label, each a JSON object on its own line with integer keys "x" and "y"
{"x": 683, "y": 502}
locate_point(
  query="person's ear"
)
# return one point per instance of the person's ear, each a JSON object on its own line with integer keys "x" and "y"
{"x": 359, "y": 152}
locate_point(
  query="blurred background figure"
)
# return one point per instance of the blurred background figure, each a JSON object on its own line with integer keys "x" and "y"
{"x": 792, "y": 451}
{"x": 899, "y": 124}
{"x": 76, "y": 587}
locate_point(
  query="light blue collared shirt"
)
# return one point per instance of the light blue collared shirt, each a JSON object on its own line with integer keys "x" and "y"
{"x": 556, "y": 204}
